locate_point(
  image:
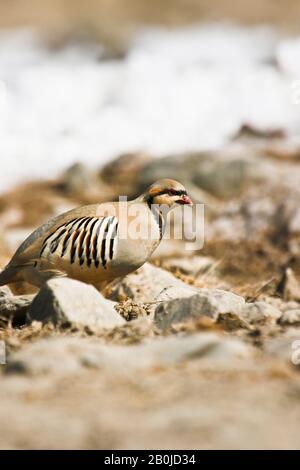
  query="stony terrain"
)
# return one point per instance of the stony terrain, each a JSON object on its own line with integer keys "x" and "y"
{"x": 196, "y": 349}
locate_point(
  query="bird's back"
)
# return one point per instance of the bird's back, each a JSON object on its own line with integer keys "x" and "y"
{"x": 30, "y": 248}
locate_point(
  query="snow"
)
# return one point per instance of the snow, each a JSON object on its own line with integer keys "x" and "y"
{"x": 175, "y": 91}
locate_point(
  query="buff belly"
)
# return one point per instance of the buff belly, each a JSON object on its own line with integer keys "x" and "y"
{"x": 129, "y": 256}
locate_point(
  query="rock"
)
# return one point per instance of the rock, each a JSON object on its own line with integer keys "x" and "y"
{"x": 65, "y": 356}
{"x": 290, "y": 317}
{"x": 243, "y": 219}
{"x": 223, "y": 174}
{"x": 274, "y": 210}
{"x": 123, "y": 170}
{"x": 232, "y": 322}
{"x": 286, "y": 218}
{"x": 209, "y": 302}
{"x": 5, "y": 292}
{"x": 149, "y": 284}
{"x": 259, "y": 312}
{"x": 59, "y": 356}
{"x": 192, "y": 265}
{"x": 14, "y": 307}
{"x": 280, "y": 304}
{"x": 289, "y": 286}
{"x": 226, "y": 177}
{"x": 131, "y": 310}
{"x": 211, "y": 348}
{"x": 66, "y": 300}
{"x": 174, "y": 166}
{"x": 286, "y": 347}
{"x": 79, "y": 179}
{"x": 250, "y": 132}
{"x": 291, "y": 305}
{"x": 168, "y": 248}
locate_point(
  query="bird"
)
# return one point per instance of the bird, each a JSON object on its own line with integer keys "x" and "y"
{"x": 97, "y": 243}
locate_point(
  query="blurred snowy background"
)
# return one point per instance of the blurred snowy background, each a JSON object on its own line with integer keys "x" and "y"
{"x": 87, "y": 83}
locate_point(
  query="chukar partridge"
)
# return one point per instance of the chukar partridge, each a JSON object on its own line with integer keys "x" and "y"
{"x": 98, "y": 242}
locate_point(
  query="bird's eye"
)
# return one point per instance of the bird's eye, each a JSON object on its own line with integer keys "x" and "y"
{"x": 172, "y": 192}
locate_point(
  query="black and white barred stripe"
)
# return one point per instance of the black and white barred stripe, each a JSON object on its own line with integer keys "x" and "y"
{"x": 89, "y": 241}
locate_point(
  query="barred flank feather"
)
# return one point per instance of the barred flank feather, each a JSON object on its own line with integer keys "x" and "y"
{"x": 89, "y": 240}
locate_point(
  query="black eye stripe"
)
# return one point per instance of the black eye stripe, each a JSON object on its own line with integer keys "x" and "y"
{"x": 180, "y": 193}
{"x": 172, "y": 192}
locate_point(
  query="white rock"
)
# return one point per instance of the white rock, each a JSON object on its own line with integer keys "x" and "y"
{"x": 286, "y": 347}
{"x": 63, "y": 356}
{"x": 259, "y": 312}
{"x": 79, "y": 179}
{"x": 150, "y": 284}
{"x": 66, "y": 300}
{"x": 208, "y": 302}
{"x": 210, "y": 347}
{"x": 14, "y": 307}
{"x": 168, "y": 248}
{"x": 193, "y": 265}
{"x": 291, "y": 305}
{"x": 5, "y": 292}
{"x": 290, "y": 317}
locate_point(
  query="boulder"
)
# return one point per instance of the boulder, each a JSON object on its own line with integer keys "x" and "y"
{"x": 226, "y": 177}
{"x": 79, "y": 179}
{"x": 69, "y": 301}
{"x": 210, "y": 348}
{"x": 14, "y": 307}
{"x": 246, "y": 218}
{"x": 286, "y": 347}
{"x": 290, "y": 317}
{"x": 208, "y": 302}
{"x": 222, "y": 174}
{"x": 150, "y": 284}
{"x": 5, "y": 292}
{"x": 191, "y": 266}
{"x": 123, "y": 170}
{"x": 232, "y": 322}
{"x": 259, "y": 313}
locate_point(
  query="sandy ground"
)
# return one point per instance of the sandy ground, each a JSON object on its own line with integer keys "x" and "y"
{"x": 183, "y": 407}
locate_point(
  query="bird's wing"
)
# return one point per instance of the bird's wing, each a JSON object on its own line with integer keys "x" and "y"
{"x": 89, "y": 241}
{"x": 30, "y": 250}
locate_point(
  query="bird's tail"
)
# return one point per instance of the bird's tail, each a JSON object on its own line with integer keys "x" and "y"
{"x": 9, "y": 275}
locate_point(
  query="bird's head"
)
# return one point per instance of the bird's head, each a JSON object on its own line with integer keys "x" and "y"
{"x": 167, "y": 192}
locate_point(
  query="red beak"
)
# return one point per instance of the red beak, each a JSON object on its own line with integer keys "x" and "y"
{"x": 185, "y": 200}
